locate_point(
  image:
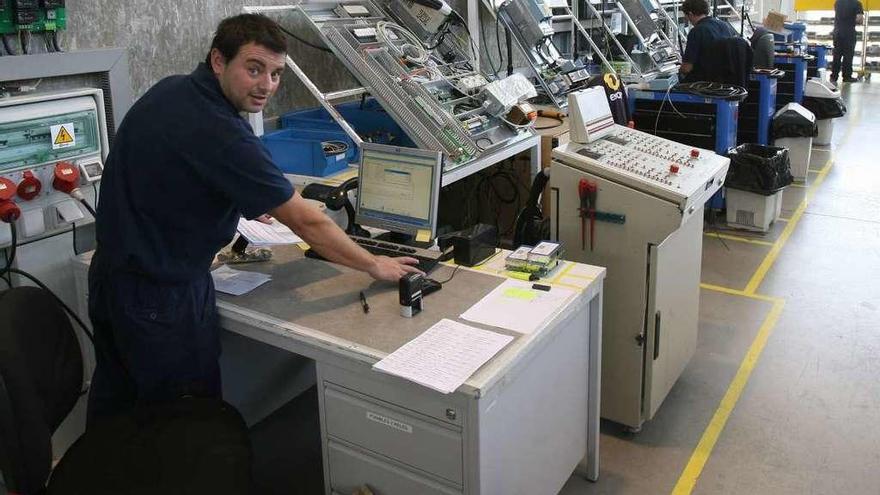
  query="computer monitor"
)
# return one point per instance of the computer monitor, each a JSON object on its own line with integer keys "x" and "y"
{"x": 398, "y": 189}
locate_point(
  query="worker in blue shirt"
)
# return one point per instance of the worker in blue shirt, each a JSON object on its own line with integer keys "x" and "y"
{"x": 705, "y": 32}
{"x": 847, "y": 14}
{"x": 184, "y": 167}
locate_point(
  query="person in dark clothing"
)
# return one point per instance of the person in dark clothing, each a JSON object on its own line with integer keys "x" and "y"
{"x": 763, "y": 50}
{"x": 185, "y": 166}
{"x": 700, "y": 40}
{"x": 847, "y": 14}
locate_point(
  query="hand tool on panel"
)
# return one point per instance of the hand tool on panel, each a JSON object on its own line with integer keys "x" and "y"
{"x": 587, "y": 194}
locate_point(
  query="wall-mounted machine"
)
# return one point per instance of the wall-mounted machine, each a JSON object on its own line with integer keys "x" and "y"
{"x": 654, "y": 55}
{"x": 530, "y": 24}
{"x": 633, "y": 202}
{"x": 52, "y": 150}
{"x": 413, "y": 60}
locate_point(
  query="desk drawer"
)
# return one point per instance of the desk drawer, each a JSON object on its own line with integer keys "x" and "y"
{"x": 448, "y": 408}
{"x": 404, "y": 436}
{"x": 350, "y": 469}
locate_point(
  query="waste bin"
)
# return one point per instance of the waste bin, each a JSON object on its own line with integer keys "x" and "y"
{"x": 755, "y": 180}
{"x": 794, "y": 128}
{"x": 824, "y": 101}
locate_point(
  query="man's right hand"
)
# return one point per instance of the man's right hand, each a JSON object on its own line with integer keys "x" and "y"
{"x": 392, "y": 269}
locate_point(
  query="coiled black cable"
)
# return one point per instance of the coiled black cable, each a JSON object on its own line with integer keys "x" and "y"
{"x": 713, "y": 90}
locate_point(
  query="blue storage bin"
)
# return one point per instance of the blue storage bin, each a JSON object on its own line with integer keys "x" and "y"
{"x": 371, "y": 121}
{"x": 300, "y": 151}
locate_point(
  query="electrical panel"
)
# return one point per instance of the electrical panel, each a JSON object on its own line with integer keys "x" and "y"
{"x": 49, "y": 144}
{"x": 660, "y": 167}
{"x": 35, "y": 16}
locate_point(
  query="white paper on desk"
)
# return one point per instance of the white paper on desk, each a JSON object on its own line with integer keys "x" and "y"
{"x": 237, "y": 282}
{"x": 261, "y": 234}
{"x": 444, "y": 356}
{"x": 514, "y": 305}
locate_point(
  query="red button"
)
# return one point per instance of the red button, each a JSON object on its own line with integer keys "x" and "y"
{"x": 695, "y": 153}
{"x": 673, "y": 169}
{"x": 29, "y": 187}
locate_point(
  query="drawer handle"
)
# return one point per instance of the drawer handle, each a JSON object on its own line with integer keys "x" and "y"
{"x": 450, "y": 413}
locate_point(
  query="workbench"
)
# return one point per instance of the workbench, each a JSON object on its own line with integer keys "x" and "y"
{"x": 523, "y": 423}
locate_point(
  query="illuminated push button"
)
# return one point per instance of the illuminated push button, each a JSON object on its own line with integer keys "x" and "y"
{"x": 673, "y": 169}
{"x": 29, "y": 187}
{"x": 695, "y": 153}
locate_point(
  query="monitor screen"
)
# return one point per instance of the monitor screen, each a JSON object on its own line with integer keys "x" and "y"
{"x": 398, "y": 188}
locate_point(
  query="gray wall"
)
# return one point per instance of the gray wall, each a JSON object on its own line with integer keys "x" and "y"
{"x": 166, "y": 37}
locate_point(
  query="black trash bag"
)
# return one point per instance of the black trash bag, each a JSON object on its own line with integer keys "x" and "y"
{"x": 759, "y": 169}
{"x": 825, "y": 108}
{"x": 793, "y": 120}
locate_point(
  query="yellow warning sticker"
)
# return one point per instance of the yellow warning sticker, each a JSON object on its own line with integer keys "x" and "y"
{"x": 423, "y": 235}
{"x": 63, "y": 136}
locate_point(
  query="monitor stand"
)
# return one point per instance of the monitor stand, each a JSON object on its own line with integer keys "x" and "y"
{"x": 398, "y": 238}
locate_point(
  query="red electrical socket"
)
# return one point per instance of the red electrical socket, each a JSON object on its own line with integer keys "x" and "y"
{"x": 66, "y": 177}
{"x": 9, "y": 211}
{"x": 29, "y": 187}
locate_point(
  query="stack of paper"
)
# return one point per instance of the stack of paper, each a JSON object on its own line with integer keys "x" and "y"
{"x": 261, "y": 234}
{"x": 516, "y": 306}
{"x": 444, "y": 356}
{"x": 237, "y": 282}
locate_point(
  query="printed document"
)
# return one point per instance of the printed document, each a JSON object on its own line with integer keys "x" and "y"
{"x": 516, "y": 306}
{"x": 237, "y": 282}
{"x": 261, "y": 234}
{"x": 445, "y": 356}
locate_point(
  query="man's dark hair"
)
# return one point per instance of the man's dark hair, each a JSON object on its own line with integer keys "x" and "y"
{"x": 695, "y": 7}
{"x": 237, "y": 31}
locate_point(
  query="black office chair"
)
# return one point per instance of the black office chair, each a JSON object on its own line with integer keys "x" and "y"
{"x": 192, "y": 445}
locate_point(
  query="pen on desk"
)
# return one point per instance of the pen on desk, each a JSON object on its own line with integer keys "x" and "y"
{"x": 364, "y": 303}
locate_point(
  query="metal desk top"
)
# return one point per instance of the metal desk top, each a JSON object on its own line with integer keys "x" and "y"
{"x": 316, "y": 306}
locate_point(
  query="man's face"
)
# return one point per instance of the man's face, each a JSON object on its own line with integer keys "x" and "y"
{"x": 250, "y": 78}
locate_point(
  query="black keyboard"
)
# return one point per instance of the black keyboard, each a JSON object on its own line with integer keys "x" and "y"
{"x": 428, "y": 259}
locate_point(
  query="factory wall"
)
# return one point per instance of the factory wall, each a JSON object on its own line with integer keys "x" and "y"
{"x": 165, "y": 37}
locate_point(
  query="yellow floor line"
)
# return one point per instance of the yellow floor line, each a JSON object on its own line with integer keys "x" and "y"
{"x": 700, "y": 456}
{"x": 710, "y": 436}
{"x": 701, "y": 453}
{"x": 738, "y": 239}
{"x": 768, "y": 261}
{"x": 740, "y": 293}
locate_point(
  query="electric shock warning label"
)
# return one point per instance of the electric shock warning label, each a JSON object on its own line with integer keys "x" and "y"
{"x": 62, "y": 136}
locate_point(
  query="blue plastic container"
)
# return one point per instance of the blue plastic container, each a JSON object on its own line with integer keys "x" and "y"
{"x": 301, "y": 151}
{"x": 370, "y": 121}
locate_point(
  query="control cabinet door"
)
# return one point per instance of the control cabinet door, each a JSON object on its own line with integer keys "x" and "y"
{"x": 673, "y": 309}
{"x": 623, "y": 250}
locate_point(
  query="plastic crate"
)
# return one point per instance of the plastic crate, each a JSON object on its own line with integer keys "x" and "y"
{"x": 369, "y": 120}
{"x": 301, "y": 151}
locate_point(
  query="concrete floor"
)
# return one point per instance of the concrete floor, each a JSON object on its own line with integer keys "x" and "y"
{"x": 806, "y": 420}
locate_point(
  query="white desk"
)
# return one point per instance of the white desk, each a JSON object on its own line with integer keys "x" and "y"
{"x": 522, "y": 424}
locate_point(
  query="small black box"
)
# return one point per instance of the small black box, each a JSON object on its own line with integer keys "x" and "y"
{"x": 474, "y": 245}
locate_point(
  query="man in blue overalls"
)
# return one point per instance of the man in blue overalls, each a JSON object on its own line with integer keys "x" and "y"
{"x": 184, "y": 167}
